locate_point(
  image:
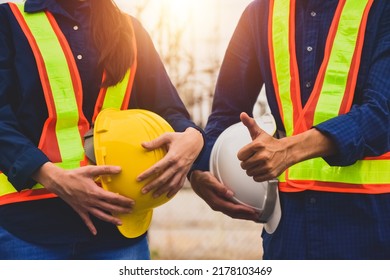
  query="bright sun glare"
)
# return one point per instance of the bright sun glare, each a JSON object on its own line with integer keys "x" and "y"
{"x": 179, "y": 9}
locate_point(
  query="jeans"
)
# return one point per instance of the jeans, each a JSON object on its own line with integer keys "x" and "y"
{"x": 13, "y": 248}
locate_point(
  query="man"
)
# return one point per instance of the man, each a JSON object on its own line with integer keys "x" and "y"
{"x": 325, "y": 67}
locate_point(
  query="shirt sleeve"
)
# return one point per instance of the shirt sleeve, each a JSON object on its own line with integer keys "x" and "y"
{"x": 238, "y": 86}
{"x": 364, "y": 131}
{"x": 19, "y": 157}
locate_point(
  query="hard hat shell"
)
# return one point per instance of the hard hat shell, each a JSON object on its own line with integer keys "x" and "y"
{"x": 225, "y": 166}
{"x": 117, "y": 141}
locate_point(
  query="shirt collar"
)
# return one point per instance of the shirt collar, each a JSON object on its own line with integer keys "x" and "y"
{"x": 39, "y": 5}
{"x": 52, "y": 6}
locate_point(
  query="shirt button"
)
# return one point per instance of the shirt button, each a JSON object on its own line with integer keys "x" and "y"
{"x": 79, "y": 57}
{"x": 309, "y": 48}
{"x": 313, "y": 200}
{"x": 313, "y": 14}
{"x": 75, "y": 27}
{"x": 308, "y": 84}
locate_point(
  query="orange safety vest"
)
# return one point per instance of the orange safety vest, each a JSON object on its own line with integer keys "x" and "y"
{"x": 62, "y": 136}
{"x": 332, "y": 95}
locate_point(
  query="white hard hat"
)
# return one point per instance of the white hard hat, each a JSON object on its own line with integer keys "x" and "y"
{"x": 225, "y": 166}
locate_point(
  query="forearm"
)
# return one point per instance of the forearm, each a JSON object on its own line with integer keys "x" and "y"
{"x": 309, "y": 144}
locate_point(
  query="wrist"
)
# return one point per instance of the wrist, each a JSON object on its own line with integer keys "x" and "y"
{"x": 45, "y": 174}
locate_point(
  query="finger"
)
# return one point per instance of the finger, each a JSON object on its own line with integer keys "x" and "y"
{"x": 263, "y": 177}
{"x": 98, "y": 194}
{"x": 158, "y": 142}
{"x": 252, "y": 162}
{"x": 172, "y": 184}
{"x": 251, "y": 124}
{"x": 246, "y": 152}
{"x": 105, "y": 216}
{"x": 97, "y": 170}
{"x": 159, "y": 182}
{"x": 221, "y": 190}
{"x": 174, "y": 191}
{"x": 154, "y": 169}
{"x": 233, "y": 209}
{"x": 87, "y": 221}
{"x": 115, "y": 208}
{"x": 205, "y": 184}
{"x": 250, "y": 215}
{"x": 116, "y": 199}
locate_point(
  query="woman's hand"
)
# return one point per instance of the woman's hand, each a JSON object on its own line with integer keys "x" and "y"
{"x": 171, "y": 171}
{"x": 78, "y": 188}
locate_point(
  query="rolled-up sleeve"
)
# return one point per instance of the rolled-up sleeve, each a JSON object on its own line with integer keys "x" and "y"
{"x": 365, "y": 130}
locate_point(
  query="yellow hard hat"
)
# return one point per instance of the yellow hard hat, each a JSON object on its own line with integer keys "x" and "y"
{"x": 117, "y": 138}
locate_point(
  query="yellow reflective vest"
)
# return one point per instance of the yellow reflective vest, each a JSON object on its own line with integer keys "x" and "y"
{"x": 332, "y": 95}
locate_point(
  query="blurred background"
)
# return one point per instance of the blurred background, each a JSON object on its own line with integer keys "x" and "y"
{"x": 191, "y": 37}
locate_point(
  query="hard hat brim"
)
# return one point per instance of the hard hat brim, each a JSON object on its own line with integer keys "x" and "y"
{"x": 273, "y": 221}
{"x": 135, "y": 224}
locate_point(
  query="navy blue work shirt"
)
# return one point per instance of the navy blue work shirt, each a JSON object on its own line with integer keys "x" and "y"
{"x": 315, "y": 225}
{"x": 23, "y": 111}
{"x": 364, "y": 131}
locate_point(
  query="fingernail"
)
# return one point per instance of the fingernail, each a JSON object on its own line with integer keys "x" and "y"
{"x": 117, "y": 168}
{"x": 229, "y": 193}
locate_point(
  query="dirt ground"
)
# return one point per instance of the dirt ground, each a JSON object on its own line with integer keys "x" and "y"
{"x": 186, "y": 228}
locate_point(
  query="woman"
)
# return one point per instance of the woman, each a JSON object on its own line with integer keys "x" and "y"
{"x": 68, "y": 216}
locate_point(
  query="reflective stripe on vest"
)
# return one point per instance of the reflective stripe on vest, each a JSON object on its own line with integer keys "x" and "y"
{"x": 332, "y": 95}
{"x": 63, "y": 131}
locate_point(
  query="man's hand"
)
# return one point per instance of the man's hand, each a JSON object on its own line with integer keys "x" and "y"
{"x": 219, "y": 197}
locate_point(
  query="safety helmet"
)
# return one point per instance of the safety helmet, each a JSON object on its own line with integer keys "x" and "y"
{"x": 225, "y": 166}
{"x": 117, "y": 138}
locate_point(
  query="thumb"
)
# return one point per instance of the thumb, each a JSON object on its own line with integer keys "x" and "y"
{"x": 251, "y": 124}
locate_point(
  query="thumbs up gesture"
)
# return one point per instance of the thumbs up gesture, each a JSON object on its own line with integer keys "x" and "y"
{"x": 265, "y": 157}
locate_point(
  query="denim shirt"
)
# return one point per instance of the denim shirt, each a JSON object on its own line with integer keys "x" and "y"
{"x": 364, "y": 131}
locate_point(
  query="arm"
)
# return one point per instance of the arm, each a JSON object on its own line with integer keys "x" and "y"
{"x": 154, "y": 91}
{"x": 238, "y": 86}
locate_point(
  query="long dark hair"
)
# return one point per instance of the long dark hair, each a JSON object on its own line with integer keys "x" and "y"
{"x": 113, "y": 37}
